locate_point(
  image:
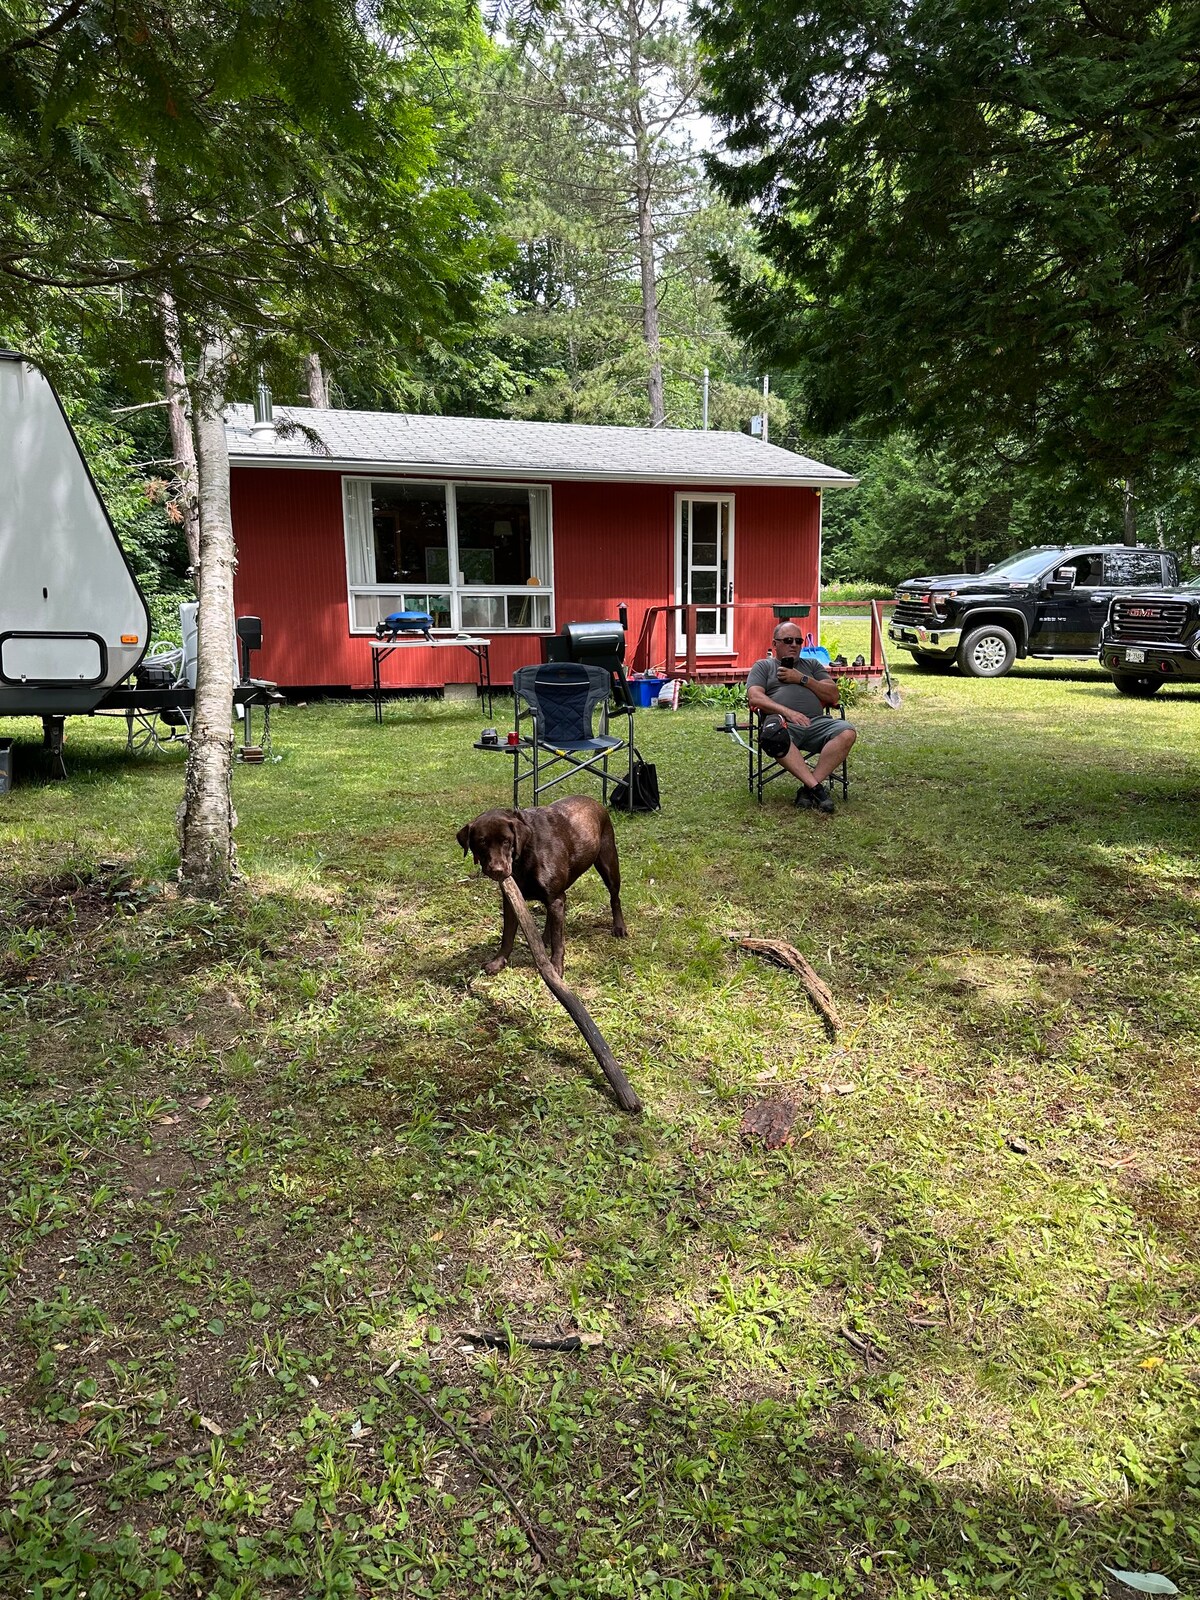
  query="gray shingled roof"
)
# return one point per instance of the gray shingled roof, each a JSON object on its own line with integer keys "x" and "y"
{"x": 476, "y": 447}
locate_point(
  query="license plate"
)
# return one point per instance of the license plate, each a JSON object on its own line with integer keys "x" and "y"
{"x": 1135, "y": 655}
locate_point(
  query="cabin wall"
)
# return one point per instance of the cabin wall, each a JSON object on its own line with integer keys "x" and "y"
{"x": 612, "y": 543}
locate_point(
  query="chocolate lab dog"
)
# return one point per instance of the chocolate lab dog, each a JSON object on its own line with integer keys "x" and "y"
{"x": 544, "y": 850}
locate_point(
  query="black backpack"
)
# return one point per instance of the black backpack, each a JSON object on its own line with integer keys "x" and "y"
{"x": 645, "y": 789}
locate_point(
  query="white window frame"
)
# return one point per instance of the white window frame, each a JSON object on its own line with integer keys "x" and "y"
{"x": 453, "y": 589}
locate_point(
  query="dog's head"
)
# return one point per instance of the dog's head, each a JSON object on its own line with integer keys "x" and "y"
{"x": 496, "y": 840}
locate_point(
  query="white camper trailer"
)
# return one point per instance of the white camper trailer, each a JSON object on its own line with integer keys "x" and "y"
{"x": 73, "y": 622}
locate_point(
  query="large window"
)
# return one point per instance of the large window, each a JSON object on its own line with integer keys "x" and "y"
{"x": 476, "y": 556}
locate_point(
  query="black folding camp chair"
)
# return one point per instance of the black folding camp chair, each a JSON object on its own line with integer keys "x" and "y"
{"x": 556, "y": 705}
{"x": 761, "y": 768}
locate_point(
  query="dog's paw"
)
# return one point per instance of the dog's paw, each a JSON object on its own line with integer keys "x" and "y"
{"x": 495, "y": 965}
{"x": 620, "y": 931}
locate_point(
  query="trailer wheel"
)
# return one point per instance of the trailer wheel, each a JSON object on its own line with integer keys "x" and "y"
{"x": 1135, "y": 684}
{"x": 987, "y": 652}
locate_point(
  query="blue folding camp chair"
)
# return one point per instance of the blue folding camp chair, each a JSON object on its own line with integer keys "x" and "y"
{"x": 556, "y": 705}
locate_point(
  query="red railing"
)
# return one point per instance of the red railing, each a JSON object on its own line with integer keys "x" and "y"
{"x": 643, "y": 657}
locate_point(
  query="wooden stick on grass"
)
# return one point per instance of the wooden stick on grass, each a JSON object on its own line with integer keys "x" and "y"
{"x": 786, "y": 955}
{"x": 571, "y": 1003}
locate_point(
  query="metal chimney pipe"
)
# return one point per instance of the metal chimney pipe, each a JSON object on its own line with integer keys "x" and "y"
{"x": 264, "y": 414}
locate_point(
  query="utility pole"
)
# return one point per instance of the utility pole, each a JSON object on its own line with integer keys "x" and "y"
{"x": 705, "y": 402}
{"x": 766, "y": 420}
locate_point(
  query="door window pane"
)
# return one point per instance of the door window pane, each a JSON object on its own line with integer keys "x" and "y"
{"x": 704, "y": 534}
{"x": 704, "y": 587}
{"x": 706, "y": 622}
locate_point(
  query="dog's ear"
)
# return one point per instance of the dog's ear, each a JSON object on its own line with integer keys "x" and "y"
{"x": 522, "y": 832}
{"x": 464, "y": 837}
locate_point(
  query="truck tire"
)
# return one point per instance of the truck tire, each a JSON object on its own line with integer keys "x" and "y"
{"x": 987, "y": 652}
{"x": 931, "y": 663}
{"x": 1133, "y": 683}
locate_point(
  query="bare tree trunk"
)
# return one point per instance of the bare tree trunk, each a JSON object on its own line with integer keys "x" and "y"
{"x": 1130, "y": 513}
{"x": 643, "y": 179}
{"x": 179, "y": 417}
{"x": 318, "y": 382}
{"x": 206, "y": 815}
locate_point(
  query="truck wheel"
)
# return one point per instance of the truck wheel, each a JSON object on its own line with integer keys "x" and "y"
{"x": 1133, "y": 683}
{"x": 988, "y": 652}
{"x": 931, "y": 663}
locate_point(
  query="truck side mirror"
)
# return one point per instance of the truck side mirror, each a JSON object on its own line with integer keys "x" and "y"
{"x": 1062, "y": 581}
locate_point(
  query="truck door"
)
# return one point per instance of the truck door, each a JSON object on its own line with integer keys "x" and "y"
{"x": 1069, "y": 600}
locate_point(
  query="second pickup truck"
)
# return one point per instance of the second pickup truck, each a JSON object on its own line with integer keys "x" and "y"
{"x": 1047, "y": 602}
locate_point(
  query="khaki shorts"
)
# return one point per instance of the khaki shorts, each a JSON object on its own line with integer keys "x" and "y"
{"x": 817, "y": 735}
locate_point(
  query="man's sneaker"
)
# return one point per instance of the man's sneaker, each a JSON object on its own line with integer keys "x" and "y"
{"x": 818, "y": 798}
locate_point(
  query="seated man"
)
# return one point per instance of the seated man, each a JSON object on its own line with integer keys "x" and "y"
{"x": 792, "y": 697}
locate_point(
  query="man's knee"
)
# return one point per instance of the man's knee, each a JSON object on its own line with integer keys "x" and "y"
{"x": 849, "y": 735}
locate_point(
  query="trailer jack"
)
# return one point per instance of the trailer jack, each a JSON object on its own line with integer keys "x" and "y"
{"x": 54, "y": 733}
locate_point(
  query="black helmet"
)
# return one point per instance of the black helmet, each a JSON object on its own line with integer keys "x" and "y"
{"x": 774, "y": 737}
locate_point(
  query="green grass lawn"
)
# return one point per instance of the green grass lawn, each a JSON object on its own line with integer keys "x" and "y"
{"x": 264, "y": 1167}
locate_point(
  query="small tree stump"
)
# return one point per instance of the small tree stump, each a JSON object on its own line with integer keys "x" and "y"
{"x": 771, "y": 1121}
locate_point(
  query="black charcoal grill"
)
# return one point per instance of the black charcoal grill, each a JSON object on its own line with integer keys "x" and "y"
{"x": 595, "y": 644}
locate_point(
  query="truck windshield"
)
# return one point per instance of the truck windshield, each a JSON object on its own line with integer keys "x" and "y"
{"x": 1025, "y": 564}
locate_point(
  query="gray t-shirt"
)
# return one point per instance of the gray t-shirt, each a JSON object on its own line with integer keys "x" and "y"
{"x": 795, "y": 696}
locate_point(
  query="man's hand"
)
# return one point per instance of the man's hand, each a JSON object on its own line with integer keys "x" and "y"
{"x": 791, "y": 675}
{"x": 798, "y": 718}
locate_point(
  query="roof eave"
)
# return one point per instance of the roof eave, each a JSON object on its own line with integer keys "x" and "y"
{"x": 541, "y": 474}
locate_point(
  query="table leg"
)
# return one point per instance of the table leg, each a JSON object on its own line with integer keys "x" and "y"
{"x": 376, "y": 685}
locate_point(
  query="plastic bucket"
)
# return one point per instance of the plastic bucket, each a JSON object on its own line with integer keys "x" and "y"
{"x": 645, "y": 690}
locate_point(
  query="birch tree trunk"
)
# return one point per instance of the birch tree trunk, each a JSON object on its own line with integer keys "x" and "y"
{"x": 1130, "y": 500}
{"x": 206, "y": 815}
{"x": 318, "y": 382}
{"x": 179, "y": 418}
{"x": 643, "y": 181}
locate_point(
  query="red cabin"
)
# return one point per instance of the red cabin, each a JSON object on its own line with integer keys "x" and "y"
{"x": 506, "y": 531}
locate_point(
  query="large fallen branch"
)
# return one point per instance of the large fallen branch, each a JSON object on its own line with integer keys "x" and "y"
{"x": 786, "y": 955}
{"x": 570, "y": 1001}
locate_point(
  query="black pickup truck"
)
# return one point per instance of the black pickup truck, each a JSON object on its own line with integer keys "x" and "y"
{"x": 1152, "y": 638}
{"x": 1049, "y": 601}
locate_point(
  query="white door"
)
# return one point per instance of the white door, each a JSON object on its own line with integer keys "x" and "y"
{"x": 704, "y": 569}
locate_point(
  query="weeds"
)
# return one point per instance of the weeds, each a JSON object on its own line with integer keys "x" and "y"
{"x": 265, "y": 1164}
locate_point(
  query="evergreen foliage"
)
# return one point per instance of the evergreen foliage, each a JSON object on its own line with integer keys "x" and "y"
{"x": 980, "y": 220}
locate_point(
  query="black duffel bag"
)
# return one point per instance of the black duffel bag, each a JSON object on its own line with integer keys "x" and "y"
{"x": 645, "y": 789}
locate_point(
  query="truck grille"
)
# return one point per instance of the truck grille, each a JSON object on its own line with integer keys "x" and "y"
{"x": 913, "y": 608}
{"x": 1158, "y": 621}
